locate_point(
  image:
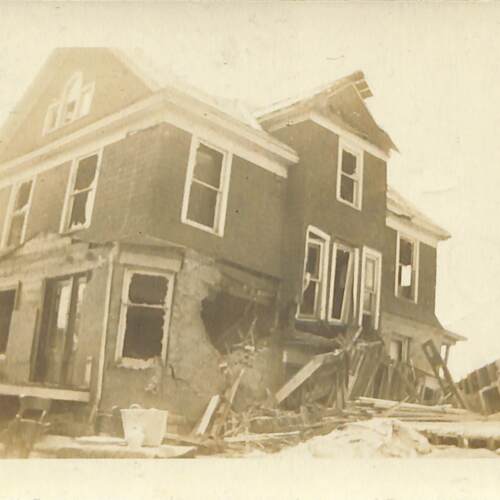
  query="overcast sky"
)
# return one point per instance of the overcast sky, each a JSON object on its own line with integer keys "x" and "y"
{"x": 434, "y": 70}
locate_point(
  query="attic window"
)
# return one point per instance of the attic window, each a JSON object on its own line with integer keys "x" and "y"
{"x": 15, "y": 227}
{"x": 82, "y": 193}
{"x": 207, "y": 186}
{"x": 74, "y": 102}
{"x": 146, "y": 304}
{"x": 407, "y": 268}
{"x": 350, "y": 176}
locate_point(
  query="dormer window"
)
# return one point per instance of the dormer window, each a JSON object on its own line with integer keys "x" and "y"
{"x": 75, "y": 102}
{"x": 350, "y": 175}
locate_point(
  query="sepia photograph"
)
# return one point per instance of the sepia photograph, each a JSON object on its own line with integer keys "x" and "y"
{"x": 249, "y": 237}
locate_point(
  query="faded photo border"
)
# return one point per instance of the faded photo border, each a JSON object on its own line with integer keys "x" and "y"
{"x": 227, "y": 44}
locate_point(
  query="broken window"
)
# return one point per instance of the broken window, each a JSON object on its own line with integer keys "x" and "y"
{"x": 16, "y": 226}
{"x": 207, "y": 187}
{"x": 60, "y": 329}
{"x": 314, "y": 276}
{"x": 146, "y": 303}
{"x": 81, "y": 198}
{"x": 399, "y": 349}
{"x": 370, "y": 299}
{"x": 349, "y": 176}
{"x": 342, "y": 284}
{"x": 7, "y": 302}
{"x": 407, "y": 268}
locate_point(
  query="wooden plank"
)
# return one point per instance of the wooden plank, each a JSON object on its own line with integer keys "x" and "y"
{"x": 207, "y": 416}
{"x": 247, "y": 438}
{"x": 303, "y": 374}
{"x": 45, "y": 392}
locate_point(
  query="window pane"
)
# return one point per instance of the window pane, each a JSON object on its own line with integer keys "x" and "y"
{"x": 308, "y": 306}
{"x": 370, "y": 274}
{"x": 202, "y": 205}
{"x": 79, "y": 209}
{"x": 7, "y": 300}
{"x": 313, "y": 260}
{"x": 23, "y": 195}
{"x": 85, "y": 102}
{"x": 147, "y": 289}
{"x": 16, "y": 229}
{"x": 143, "y": 332}
{"x": 405, "y": 252}
{"x": 86, "y": 172}
{"x": 208, "y": 166}
{"x": 347, "y": 188}
{"x": 340, "y": 281}
{"x": 348, "y": 163}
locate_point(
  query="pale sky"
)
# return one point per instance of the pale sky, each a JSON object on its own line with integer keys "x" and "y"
{"x": 434, "y": 70}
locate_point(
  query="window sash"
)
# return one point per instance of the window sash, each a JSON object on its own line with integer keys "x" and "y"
{"x": 370, "y": 293}
{"x": 355, "y": 177}
{"x": 18, "y": 213}
{"x": 409, "y": 292}
{"x": 349, "y": 284}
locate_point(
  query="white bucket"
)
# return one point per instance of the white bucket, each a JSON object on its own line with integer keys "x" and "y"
{"x": 144, "y": 427}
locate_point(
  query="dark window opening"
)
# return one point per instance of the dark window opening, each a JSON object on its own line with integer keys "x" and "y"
{"x": 7, "y": 302}
{"x": 349, "y": 178}
{"x": 313, "y": 277}
{"x": 342, "y": 300}
{"x": 82, "y": 197}
{"x": 406, "y": 269}
{"x": 145, "y": 316}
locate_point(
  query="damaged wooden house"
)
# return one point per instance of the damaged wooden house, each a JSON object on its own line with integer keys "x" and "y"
{"x": 154, "y": 239}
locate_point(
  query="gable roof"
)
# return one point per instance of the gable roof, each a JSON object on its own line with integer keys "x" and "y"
{"x": 162, "y": 83}
{"x": 401, "y": 208}
{"x": 326, "y": 96}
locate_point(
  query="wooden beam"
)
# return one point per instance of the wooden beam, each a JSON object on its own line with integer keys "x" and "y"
{"x": 45, "y": 392}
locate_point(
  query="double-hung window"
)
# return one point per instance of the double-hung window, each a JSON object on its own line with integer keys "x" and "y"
{"x": 145, "y": 315}
{"x": 207, "y": 186}
{"x": 407, "y": 268}
{"x": 15, "y": 227}
{"x": 350, "y": 175}
{"x": 7, "y": 304}
{"x": 313, "y": 303}
{"x": 371, "y": 276}
{"x": 399, "y": 348}
{"x": 81, "y": 193}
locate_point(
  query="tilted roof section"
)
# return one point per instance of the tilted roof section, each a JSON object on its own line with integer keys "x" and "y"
{"x": 321, "y": 97}
{"x": 400, "y": 207}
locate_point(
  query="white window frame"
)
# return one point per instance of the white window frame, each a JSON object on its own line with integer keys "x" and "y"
{"x": 63, "y": 228}
{"x": 223, "y": 191}
{"x": 358, "y": 153}
{"x": 406, "y": 343}
{"x": 415, "y": 266}
{"x": 120, "y": 342}
{"x": 355, "y": 262}
{"x": 60, "y": 104}
{"x": 324, "y": 261}
{"x": 11, "y": 213}
{"x": 376, "y": 255}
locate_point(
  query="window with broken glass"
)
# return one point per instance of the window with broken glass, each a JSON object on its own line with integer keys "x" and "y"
{"x": 81, "y": 197}
{"x": 407, "y": 269}
{"x": 207, "y": 187}
{"x": 349, "y": 178}
{"x": 7, "y": 303}
{"x": 16, "y": 226}
{"x": 399, "y": 349}
{"x": 146, "y": 304}
{"x": 342, "y": 303}
{"x": 314, "y": 276}
{"x": 372, "y": 263}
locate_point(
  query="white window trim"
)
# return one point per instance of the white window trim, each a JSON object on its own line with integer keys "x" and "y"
{"x": 61, "y": 103}
{"x": 63, "y": 226}
{"x": 221, "y": 209}
{"x": 370, "y": 252}
{"x": 358, "y": 153}
{"x": 355, "y": 261}
{"x": 324, "y": 273}
{"x": 415, "y": 264}
{"x": 406, "y": 345}
{"x": 10, "y": 211}
{"x": 120, "y": 342}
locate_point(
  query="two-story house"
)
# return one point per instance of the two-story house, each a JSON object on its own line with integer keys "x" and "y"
{"x": 143, "y": 222}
